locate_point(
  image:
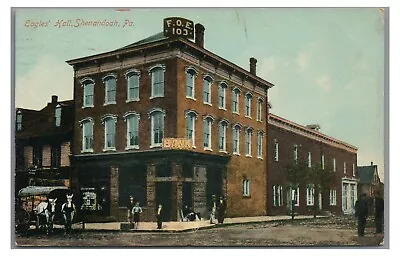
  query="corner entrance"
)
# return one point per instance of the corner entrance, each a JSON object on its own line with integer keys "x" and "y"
{"x": 164, "y": 197}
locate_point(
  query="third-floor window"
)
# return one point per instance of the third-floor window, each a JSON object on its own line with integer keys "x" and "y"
{"x": 221, "y": 95}
{"x": 247, "y": 105}
{"x": 157, "y": 80}
{"x": 88, "y": 88}
{"x": 207, "y": 80}
{"x": 110, "y": 83}
{"x": 190, "y": 82}
{"x": 235, "y": 100}
{"x": 132, "y": 84}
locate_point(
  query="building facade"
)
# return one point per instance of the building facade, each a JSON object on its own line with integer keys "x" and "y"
{"x": 170, "y": 123}
{"x": 289, "y": 141}
{"x": 42, "y": 145}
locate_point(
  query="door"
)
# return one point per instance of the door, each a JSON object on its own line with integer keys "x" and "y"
{"x": 187, "y": 194}
{"x": 164, "y": 197}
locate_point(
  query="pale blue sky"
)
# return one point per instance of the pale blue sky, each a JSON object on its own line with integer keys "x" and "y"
{"x": 327, "y": 64}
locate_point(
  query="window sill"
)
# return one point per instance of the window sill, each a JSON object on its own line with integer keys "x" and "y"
{"x": 223, "y": 151}
{"x": 109, "y": 149}
{"x": 156, "y": 146}
{"x": 193, "y": 146}
{"x": 132, "y": 100}
{"x": 260, "y": 157}
{"x": 208, "y": 149}
{"x": 248, "y": 156}
{"x": 207, "y": 103}
{"x": 236, "y": 154}
{"x": 87, "y": 151}
{"x": 109, "y": 103}
{"x": 246, "y": 196}
{"x": 236, "y": 113}
{"x": 222, "y": 108}
{"x": 248, "y": 117}
{"x": 190, "y": 98}
{"x": 89, "y": 106}
{"x": 156, "y": 96}
{"x": 132, "y": 147}
{"x": 259, "y": 121}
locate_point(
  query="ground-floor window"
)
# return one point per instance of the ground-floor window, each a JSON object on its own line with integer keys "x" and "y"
{"x": 310, "y": 195}
{"x": 332, "y": 197}
{"x": 277, "y": 195}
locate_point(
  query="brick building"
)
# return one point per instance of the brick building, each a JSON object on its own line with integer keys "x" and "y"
{"x": 130, "y": 99}
{"x": 288, "y": 141}
{"x": 42, "y": 144}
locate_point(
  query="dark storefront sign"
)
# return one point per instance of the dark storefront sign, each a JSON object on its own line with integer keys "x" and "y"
{"x": 176, "y": 26}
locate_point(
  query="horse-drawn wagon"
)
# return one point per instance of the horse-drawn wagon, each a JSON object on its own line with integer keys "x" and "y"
{"x": 30, "y": 198}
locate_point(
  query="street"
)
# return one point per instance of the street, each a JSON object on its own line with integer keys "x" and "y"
{"x": 332, "y": 231}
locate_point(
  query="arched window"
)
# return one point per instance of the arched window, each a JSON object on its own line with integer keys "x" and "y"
{"x": 157, "y": 80}
{"x": 207, "y": 81}
{"x": 110, "y": 83}
{"x": 109, "y": 122}
{"x": 132, "y": 85}
{"x": 207, "y": 122}
{"x": 88, "y": 88}
{"x": 57, "y": 115}
{"x": 259, "y": 109}
{"x": 157, "y": 127}
{"x": 222, "y": 127}
{"x": 191, "y": 117}
{"x": 247, "y": 145}
{"x": 235, "y": 100}
{"x": 87, "y": 134}
{"x": 236, "y": 139}
{"x": 132, "y": 130}
{"x": 190, "y": 82}
{"x": 247, "y": 105}
{"x": 222, "y": 95}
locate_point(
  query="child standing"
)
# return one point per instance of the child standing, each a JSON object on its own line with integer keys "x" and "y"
{"x": 136, "y": 211}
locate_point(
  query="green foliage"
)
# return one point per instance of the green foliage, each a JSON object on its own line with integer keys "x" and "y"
{"x": 321, "y": 178}
{"x": 297, "y": 173}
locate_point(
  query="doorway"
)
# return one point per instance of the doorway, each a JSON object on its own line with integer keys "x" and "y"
{"x": 164, "y": 197}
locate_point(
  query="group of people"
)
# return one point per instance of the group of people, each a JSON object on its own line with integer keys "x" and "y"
{"x": 134, "y": 211}
{"x": 361, "y": 212}
{"x": 218, "y": 210}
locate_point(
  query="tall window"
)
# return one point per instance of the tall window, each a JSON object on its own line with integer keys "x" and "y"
{"x": 259, "y": 109}
{"x": 247, "y": 105}
{"x": 88, "y": 86}
{"x": 309, "y": 159}
{"x": 235, "y": 100}
{"x": 37, "y": 155}
{"x": 332, "y": 197}
{"x": 57, "y": 115}
{"x": 296, "y": 196}
{"x": 334, "y": 164}
{"x": 354, "y": 170}
{"x": 344, "y": 167}
{"x": 247, "y": 145}
{"x": 109, "y": 131}
{"x": 19, "y": 120}
{"x": 207, "y": 121}
{"x": 190, "y": 77}
{"x": 276, "y": 151}
{"x": 110, "y": 82}
{"x": 222, "y": 126}
{"x": 235, "y": 137}
{"x": 190, "y": 116}
{"x": 259, "y": 144}
{"x": 295, "y": 153}
{"x": 310, "y": 195}
{"x": 157, "y": 80}
{"x": 157, "y": 127}
{"x": 55, "y": 156}
{"x": 221, "y": 95}
{"x": 132, "y": 84}
{"x": 246, "y": 187}
{"x": 277, "y": 195}
{"x": 87, "y": 135}
{"x": 207, "y": 80}
{"x": 132, "y": 130}
{"x": 322, "y": 162}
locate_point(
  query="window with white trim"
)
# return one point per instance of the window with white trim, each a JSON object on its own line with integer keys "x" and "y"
{"x": 354, "y": 170}
{"x": 332, "y": 197}
{"x": 132, "y": 130}
{"x": 276, "y": 151}
{"x": 221, "y": 95}
{"x": 109, "y": 131}
{"x": 19, "y": 120}
{"x": 259, "y": 109}
{"x": 235, "y": 100}
{"x": 88, "y": 89}
{"x": 157, "y": 127}
{"x": 132, "y": 85}
{"x": 344, "y": 167}
{"x": 246, "y": 187}
{"x": 247, "y": 138}
{"x": 247, "y": 105}
{"x": 190, "y": 82}
{"x": 309, "y": 159}
{"x": 296, "y": 196}
{"x": 157, "y": 81}
{"x": 57, "y": 115}
{"x": 310, "y": 195}
{"x": 207, "y": 81}
{"x": 334, "y": 164}
{"x": 207, "y": 121}
{"x": 110, "y": 83}
{"x": 87, "y": 135}
{"x": 259, "y": 144}
{"x": 295, "y": 152}
{"x": 190, "y": 117}
{"x": 222, "y": 127}
{"x": 235, "y": 138}
{"x": 277, "y": 196}
{"x": 323, "y": 162}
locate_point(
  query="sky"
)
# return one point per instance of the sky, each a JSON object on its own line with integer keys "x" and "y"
{"x": 327, "y": 64}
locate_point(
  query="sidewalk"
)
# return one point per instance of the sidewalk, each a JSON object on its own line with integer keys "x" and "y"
{"x": 178, "y": 226}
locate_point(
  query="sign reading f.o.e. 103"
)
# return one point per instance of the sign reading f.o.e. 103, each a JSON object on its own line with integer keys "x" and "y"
{"x": 175, "y": 26}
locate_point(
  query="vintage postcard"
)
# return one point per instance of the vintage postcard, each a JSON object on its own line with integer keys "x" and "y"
{"x": 201, "y": 127}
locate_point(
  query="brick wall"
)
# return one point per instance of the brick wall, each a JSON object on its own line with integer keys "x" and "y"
{"x": 28, "y": 156}
{"x": 65, "y": 154}
{"x": 46, "y": 161}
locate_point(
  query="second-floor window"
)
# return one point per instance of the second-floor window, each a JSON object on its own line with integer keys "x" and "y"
{"x": 207, "y": 121}
{"x": 322, "y": 162}
{"x": 354, "y": 170}
{"x": 132, "y": 85}
{"x": 235, "y": 100}
{"x": 344, "y": 167}
{"x": 109, "y": 132}
{"x": 157, "y": 81}
{"x": 222, "y": 126}
{"x": 295, "y": 153}
{"x": 247, "y": 105}
{"x": 309, "y": 159}
{"x": 87, "y": 135}
{"x": 191, "y": 117}
{"x": 190, "y": 82}
{"x": 207, "y": 89}
{"x": 221, "y": 95}
{"x": 259, "y": 144}
{"x": 110, "y": 83}
{"x": 37, "y": 155}
{"x": 247, "y": 146}
{"x": 276, "y": 151}
{"x": 235, "y": 138}
{"x": 55, "y": 156}
{"x": 88, "y": 89}
{"x": 259, "y": 109}
{"x": 157, "y": 127}
{"x": 57, "y": 115}
{"x": 19, "y": 120}
{"x": 334, "y": 164}
{"x": 132, "y": 130}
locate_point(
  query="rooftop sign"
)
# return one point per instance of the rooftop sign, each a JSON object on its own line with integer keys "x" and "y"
{"x": 176, "y": 26}
{"x": 177, "y": 143}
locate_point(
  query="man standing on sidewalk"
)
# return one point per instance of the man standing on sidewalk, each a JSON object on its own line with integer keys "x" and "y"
{"x": 379, "y": 208}
{"x": 361, "y": 208}
{"x": 221, "y": 210}
{"x": 159, "y": 216}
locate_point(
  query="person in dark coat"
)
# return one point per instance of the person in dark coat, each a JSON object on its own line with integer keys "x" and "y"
{"x": 361, "y": 208}
{"x": 159, "y": 216}
{"x": 131, "y": 204}
{"x": 379, "y": 209}
{"x": 221, "y": 207}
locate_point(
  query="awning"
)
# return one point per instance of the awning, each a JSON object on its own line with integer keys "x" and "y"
{"x": 39, "y": 190}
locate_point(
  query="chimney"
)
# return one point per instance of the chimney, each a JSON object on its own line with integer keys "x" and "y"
{"x": 314, "y": 127}
{"x": 253, "y": 64}
{"x": 372, "y": 163}
{"x": 54, "y": 99}
{"x": 199, "y": 35}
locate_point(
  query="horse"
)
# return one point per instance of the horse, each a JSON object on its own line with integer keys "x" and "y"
{"x": 68, "y": 210}
{"x": 45, "y": 212}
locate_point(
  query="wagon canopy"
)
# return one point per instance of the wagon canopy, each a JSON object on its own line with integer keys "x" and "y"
{"x": 39, "y": 190}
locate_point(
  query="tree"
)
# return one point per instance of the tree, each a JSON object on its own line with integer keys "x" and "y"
{"x": 296, "y": 175}
{"x": 321, "y": 179}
